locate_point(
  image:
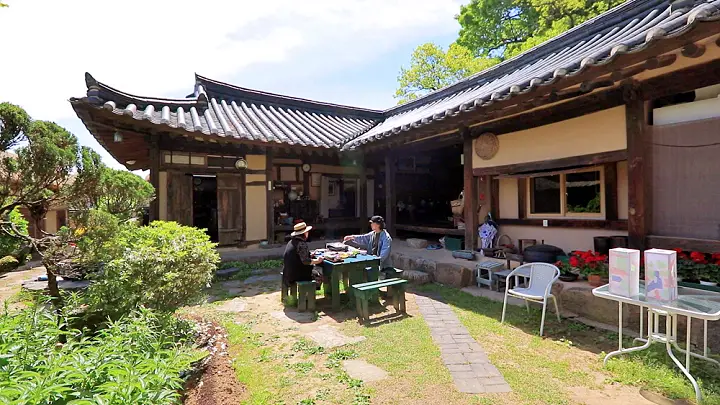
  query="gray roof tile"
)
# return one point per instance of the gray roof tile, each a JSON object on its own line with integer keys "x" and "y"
{"x": 222, "y": 110}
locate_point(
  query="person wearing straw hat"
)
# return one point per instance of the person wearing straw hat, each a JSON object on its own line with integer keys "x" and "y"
{"x": 377, "y": 242}
{"x": 297, "y": 263}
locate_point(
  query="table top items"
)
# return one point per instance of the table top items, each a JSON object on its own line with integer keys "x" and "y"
{"x": 333, "y": 255}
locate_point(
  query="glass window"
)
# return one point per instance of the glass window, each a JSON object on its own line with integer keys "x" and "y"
{"x": 545, "y": 197}
{"x": 583, "y": 192}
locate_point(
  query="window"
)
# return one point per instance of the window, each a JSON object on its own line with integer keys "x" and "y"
{"x": 579, "y": 193}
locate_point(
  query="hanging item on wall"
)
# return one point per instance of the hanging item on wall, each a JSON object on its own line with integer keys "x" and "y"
{"x": 315, "y": 179}
{"x": 241, "y": 164}
{"x": 486, "y": 146}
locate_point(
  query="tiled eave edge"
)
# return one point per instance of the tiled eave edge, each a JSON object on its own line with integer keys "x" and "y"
{"x": 702, "y": 23}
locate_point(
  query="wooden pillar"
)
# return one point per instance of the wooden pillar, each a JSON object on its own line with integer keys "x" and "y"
{"x": 270, "y": 206}
{"x": 363, "y": 196}
{"x": 611, "y": 194}
{"x": 155, "y": 177}
{"x": 637, "y": 133}
{"x": 470, "y": 192}
{"x": 390, "y": 192}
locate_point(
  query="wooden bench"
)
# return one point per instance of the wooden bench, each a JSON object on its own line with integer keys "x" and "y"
{"x": 303, "y": 290}
{"x": 366, "y": 291}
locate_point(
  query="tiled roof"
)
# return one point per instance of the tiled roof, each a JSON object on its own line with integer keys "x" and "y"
{"x": 628, "y": 28}
{"x": 221, "y": 110}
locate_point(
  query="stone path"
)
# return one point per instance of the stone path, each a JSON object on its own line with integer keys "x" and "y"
{"x": 467, "y": 362}
{"x": 362, "y": 370}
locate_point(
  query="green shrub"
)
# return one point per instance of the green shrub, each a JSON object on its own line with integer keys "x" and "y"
{"x": 9, "y": 245}
{"x": 135, "y": 360}
{"x": 8, "y": 263}
{"x": 162, "y": 266}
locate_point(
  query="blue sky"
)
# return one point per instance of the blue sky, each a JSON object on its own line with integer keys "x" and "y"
{"x": 346, "y": 52}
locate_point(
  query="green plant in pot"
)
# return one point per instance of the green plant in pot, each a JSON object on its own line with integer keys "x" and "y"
{"x": 591, "y": 264}
{"x": 566, "y": 271}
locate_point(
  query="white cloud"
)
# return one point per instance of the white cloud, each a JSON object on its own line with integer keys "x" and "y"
{"x": 153, "y": 48}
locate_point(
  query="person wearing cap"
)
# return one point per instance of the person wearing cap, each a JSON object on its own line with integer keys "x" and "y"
{"x": 377, "y": 242}
{"x": 297, "y": 263}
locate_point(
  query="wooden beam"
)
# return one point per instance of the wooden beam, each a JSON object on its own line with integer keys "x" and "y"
{"x": 573, "y": 161}
{"x": 390, "y": 192}
{"x": 430, "y": 229}
{"x": 522, "y": 198}
{"x": 681, "y": 81}
{"x": 470, "y": 190}
{"x": 269, "y": 156}
{"x": 689, "y": 244}
{"x": 155, "y": 177}
{"x": 611, "y": 191}
{"x": 617, "y": 225}
{"x": 635, "y": 113}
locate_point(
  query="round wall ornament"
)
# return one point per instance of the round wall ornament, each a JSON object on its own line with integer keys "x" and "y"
{"x": 487, "y": 145}
{"x": 241, "y": 164}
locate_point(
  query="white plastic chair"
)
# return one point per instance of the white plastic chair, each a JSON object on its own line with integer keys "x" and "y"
{"x": 542, "y": 277}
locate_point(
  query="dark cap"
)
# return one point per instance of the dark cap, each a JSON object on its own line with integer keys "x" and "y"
{"x": 377, "y": 219}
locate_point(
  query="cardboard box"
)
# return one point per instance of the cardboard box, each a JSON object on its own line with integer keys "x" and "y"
{"x": 661, "y": 275}
{"x": 624, "y": 272}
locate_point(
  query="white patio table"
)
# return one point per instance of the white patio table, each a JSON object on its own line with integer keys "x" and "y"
{"x": 691, "y": 302}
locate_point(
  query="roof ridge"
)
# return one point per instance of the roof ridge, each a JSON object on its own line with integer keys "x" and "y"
{"x": 226, "y": 89}
{"x": 544, "y": 49}
{"x": 98, "y": 91}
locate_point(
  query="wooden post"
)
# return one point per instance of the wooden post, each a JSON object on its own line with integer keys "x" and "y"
{"x": 635, "y": 119}
{"x": 470, "y": 192}
{"x": 363, "y": 195}
{"x": 270, "y": 206}
{"x": 390, "y": 192}
{"x": 155, "y": 177}
{"x": 611, "y": 195}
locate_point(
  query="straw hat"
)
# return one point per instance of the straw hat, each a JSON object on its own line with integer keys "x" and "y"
{"x": 300, "y": 228}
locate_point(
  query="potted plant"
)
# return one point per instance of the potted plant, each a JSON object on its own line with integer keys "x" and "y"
{"x": 591, "y": 264}
{"x": 566, "y": 273}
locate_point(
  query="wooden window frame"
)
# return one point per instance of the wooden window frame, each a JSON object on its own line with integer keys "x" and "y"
{"x": 563, "y": 196}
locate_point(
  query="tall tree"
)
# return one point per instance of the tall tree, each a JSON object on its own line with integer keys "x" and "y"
{"x": 491, "y": 31}
{"x": 505, "y": 28}
{"x": 432, "y": 68}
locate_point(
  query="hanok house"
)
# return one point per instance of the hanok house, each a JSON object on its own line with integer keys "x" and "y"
{"x": 608, "y": 129}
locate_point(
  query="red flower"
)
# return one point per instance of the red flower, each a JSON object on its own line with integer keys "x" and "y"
{"x": 574, "y": 261}
{"x": 698, "y": 257}
{"x": 681, "y": 254}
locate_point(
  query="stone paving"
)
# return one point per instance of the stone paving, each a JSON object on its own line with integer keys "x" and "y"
{"x": 467, "y": 362}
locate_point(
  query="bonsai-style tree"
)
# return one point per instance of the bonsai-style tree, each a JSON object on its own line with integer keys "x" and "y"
{"x": 48, "y": 168}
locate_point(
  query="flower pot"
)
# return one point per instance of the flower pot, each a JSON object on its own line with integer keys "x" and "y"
{"x": 568, "y": 277}
{"x": 710, "y": 283}
{"x": 595, "y": 280}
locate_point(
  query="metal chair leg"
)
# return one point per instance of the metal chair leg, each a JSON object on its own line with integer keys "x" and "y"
{"x": 502, "y": 319}
{"x": 542, "y": 322}
{"x": 557, "y": 311}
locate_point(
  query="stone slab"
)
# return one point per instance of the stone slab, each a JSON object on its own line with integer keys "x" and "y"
{"x": 453, "y": 274}
{"x": 234, "y": 305}
{"x": 261, "y": 279}
{"x": 329, "y": 337}
{"x": 362, "y": 370}
{"x": 293, "y": 317}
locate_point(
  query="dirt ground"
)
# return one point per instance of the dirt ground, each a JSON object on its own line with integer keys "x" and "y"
{"x": 10, "y": 285}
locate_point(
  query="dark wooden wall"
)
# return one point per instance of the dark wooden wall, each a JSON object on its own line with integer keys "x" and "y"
{"x": 686, "y": 180}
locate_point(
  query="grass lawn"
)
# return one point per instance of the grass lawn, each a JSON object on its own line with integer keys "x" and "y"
{"x": 541, "y": 370}
{"x": 279, "y": 366}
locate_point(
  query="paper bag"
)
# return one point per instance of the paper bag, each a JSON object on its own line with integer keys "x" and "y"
{"x": 624, "y": 272}
{"x": 661, "y": 275}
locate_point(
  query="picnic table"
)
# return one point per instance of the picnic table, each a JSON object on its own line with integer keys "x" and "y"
{"x": 351, "y": 271}
{"x": 691, "y": 303}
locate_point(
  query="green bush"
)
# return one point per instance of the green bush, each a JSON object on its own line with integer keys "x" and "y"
{"x": 8, "y": 245}
{"x": 135, "y": 360}
{"x": 8, "y": 263}
{"x": 162, "y": 266}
